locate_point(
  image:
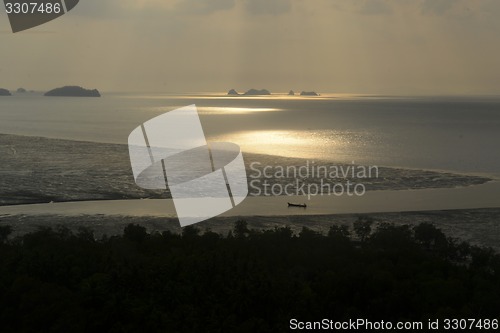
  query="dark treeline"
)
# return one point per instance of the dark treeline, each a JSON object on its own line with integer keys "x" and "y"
{"x": 248, "y": 281}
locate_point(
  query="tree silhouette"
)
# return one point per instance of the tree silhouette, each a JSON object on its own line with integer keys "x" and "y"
{"x": 190, "y": 232}
{"x": 429, "y": 236}
{"x": 5, "y": 231}
{"x": 363, "y": 227}
{"x": 134, "y": 233}
{"x": 337, "y": 231}
{"x": 241, "y": 229}
{"x": 57, "y": 281}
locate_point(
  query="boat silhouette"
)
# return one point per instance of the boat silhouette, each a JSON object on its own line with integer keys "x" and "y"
{"x": 297, "y": 205}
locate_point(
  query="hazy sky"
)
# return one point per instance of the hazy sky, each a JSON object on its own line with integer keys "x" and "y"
{"x": 356, "y": 46}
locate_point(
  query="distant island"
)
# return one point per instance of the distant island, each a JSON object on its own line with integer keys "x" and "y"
{"x": 21, "y": 91}
{"x": 73, "y": 91}
{"x": 257, "y": 92}
{"x": 309, "y": 93}
{"x": 251, "y": 92}
{"x": 5, "y": 92}
{"x": 264, "y": 92}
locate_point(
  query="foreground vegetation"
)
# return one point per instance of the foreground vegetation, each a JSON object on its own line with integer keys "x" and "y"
{"x": 247, "y": 281}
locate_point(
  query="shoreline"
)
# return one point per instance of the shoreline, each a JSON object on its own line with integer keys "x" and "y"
{"x": 486, "y": 175}
{"x": 475, "y": 221}
{"x": 477, "y": 226}
{"x": 383, "y": 201}
{"x": 43, "y": 170}
{"x": 38, "y": 170}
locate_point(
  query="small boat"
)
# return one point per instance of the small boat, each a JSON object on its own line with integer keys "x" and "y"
{"x": 297, "y": 205}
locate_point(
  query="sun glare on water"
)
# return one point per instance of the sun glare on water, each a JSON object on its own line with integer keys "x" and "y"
{"x": 233, "y": 110}
{"x": 304, "y": 144}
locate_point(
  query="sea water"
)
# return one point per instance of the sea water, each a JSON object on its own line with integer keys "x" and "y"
{"x": 459, "y": 134}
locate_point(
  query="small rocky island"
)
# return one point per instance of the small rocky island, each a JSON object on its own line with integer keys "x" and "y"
{"x": 291, "y": 93}
{"x": 256, "y": 92}
{"x": 251, "y": 92}
{"x": 73, "y": 91}
{"x": 21, "y": 91}
{"x": 309, "y": 93}
{"x": 5, "y": 92}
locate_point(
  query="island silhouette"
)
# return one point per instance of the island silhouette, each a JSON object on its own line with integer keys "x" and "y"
{"x": 5, "y": 92}
{"x": 309, "y": 93}
{"x": 73, "y": 91}
{"x": 264, "y": 92}
{"x": 251, "y": 92}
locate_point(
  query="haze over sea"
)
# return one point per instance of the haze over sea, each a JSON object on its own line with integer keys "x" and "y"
{"x": 459, "y": 134}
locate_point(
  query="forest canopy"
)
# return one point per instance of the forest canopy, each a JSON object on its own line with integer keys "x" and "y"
{"x": 246, "y": 281}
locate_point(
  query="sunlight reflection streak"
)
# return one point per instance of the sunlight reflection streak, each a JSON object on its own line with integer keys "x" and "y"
{"x": 308, "y": 144}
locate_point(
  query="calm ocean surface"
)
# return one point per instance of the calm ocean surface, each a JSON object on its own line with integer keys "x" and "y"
{"x": 445, "y": 133}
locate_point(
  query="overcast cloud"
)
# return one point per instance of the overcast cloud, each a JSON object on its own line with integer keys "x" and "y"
{"x": 359, "y": 46}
